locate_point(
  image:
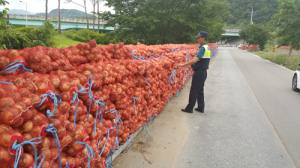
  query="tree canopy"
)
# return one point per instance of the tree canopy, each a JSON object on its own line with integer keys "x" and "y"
{"x": 288, "y": 20}
{"x": 240, "y": 12}
{"x": 170, "y": 21}
{"x": 255, "y": 34}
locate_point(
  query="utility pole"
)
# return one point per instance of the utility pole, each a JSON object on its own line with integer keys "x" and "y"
{"x": 251, "y": 16}
{"x": 98, "y": 12}
{"x": 275, "y": 40}
{"x": 26, "y": 11}
{"x": 59, "y": 28}
{"x": 46, "y": 10}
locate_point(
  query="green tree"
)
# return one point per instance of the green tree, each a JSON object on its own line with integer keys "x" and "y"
{"x": 2, "y": 21}
{"x": 240, "y": 12}
{"x": 160, "y": 22}
{"x": 256, "y": 35}
{"x": 289, "y": 22}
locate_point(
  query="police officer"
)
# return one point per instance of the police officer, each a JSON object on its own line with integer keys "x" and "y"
{"x": 199, "y": 65}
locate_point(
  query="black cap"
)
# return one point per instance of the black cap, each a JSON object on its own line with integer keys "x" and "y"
{"x": 202, "y": 34}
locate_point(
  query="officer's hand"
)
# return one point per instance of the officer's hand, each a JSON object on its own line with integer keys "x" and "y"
{"x": 180, "y": 65}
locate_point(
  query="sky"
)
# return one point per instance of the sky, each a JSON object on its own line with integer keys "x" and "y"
{"x": 38, "y": 6}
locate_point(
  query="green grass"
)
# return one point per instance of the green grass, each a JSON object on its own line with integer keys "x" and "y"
{"x": 63, "y": 41}
{"x": 289, "y": 61}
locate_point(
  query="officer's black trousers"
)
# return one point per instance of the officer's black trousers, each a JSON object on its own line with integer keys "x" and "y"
{"x": 197, "y": 90}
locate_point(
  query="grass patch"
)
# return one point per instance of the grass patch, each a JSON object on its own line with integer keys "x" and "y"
{"x": 63, "y": 41}
{"x": 289, "y": 61}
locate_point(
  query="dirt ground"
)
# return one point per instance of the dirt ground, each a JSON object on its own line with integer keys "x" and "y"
{"x": 169, "y": 134}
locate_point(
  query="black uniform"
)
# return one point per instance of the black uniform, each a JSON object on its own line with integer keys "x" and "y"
{"x": 199, "y": 77}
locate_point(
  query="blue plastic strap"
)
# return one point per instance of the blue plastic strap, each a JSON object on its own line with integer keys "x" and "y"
{"x": 107, "y": 134}
{"x": 56, "y": 100}
{"x": 67, "y": 165}
{"x": 8, "y": 83}
{"x": 18, "y": 148}
{"x": 11, "y": 68}
{"x": 127, "y": 140}
{"x": 75, "y": 97}
{"x": 109, "y": 163}
{"x": 100, "y": 114}
{"x": 147, "y": 132}
{"x": 154, "y": 117}
{"x": 117, "y": 118}
{"x": 134, "y": 99}
{"x": 53, "y": 130}
{"x": 172, "y": 76}
{"x": 148, "y": 85}
{"x": 89, "y": 151}
{"x": 117, "y": 142}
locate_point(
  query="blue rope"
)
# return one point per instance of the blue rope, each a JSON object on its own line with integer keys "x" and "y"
{"x": 109, "y": 164}
{"x": 154, "y": 117}
{"x": 134, "y": 99}
{"x": 107, "y": 134}
{"x": 173, "y": 50}
{"x": 127, "y": 140}
{"x": 141, "y": 58}
{"x": 55, "y": 101}
{"x": 148, "y": 85}
{"x": 53, "y": 130}
{"x": 147, "y": 132}
{"x": 18, "y": 148}
{"x": 117, "y": 142}
{"x": 8, "y": 83}
{"x": 11, "y": 68}
{"x": 100, "y": 118}
{"x": 173, "y": 76}
{"x": 75, "y": 97}
{"x": 89, "y": 151}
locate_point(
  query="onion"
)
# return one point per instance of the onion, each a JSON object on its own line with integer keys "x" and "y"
{"x": 70, "y": 151}
{"x": 27, "y": 126}
{"x": 65, "y": 96}
{"x": 24, "y": 92}
{"x": 45, "y": 164}
{"x": 8, "y": 114}
{"x": 5, "y": 139}
{"x": 64, "y": 86}
{"x": 11, "y": 88}
{"x": 61, "y": 132}
{"x": 4, "y": 156}
{"x": 3, "y": 62}
{"x": 12, "y": 53}
{"x": 35, "y": 98}
{"x": 15, "y": 96}
{"x": 26, "y": 160}
{"x": 42, "y": 88}
{"x": 54, "y": 152}
{"x": 45, "y": 143}
{"x": 3, "y": 93}
{"x": 46, "y": 152}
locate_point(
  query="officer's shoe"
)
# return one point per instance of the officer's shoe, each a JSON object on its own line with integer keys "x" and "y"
{"x": 199, "y": 110}
{"x": 187, "y": 111}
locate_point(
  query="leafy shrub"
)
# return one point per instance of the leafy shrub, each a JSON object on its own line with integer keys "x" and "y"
{"x": 20, "y": 38}
{"x": 12, "y": 39}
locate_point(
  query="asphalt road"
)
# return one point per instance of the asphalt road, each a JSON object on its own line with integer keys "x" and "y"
{"x": 271, "y": 85}
{"x": 242, "y": 93}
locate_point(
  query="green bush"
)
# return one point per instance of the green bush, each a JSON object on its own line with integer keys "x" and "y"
{"x": 101, "y": 38}
{"x": 22, "y": 37}
{"x": 12, "y": 39}
{"x": 25, "y": 29}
